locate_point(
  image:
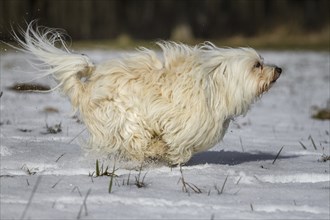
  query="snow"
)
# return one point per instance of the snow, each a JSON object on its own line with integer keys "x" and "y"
{"x": 46, "y": 176}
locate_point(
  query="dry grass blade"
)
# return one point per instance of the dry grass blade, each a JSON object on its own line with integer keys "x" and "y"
{"x": 303, "y": 146}
{"x": 57, "y": 128}
{"x": 110, "y": 184}
{"x": 128, "y": 178}
{"x": 25, "y": 130}
{"x": 59, "y": 157}
{"x": 28, "y": 170}
{"x": 324, "y": 158}
{"x": 76, "y": 188}
{"x": 310, "y": 138}
{"x": 139, "y": 183}
{"x": 31, "y": 197}
{"x": 186, "y": 185}
{"x": 241, "y": 142}
{"x": 100, "y": 171}
{"x": 56, "y": 183}
{"x": 194, "y": 188}
{"x": 239, "y": 180}
{"x": 111, "y": 177}
{"x": 216, "y": 188}
{"x": 278, "y": 154}
{"x": 223, "y": 186}
{"x": 97, "y": 168}
{"x": 77, "y": 136}
{"x": 84, "y": 205}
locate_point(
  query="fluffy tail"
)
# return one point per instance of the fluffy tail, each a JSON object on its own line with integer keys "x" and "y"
{"x": 48, "y": 46}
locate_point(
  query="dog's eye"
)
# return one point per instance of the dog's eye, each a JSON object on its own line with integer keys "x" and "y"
{"x": 257, "y": 65}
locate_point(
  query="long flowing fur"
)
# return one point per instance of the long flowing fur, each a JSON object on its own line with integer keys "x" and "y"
{"x": 67, "y": 68}
{"x": 151, "y": 106}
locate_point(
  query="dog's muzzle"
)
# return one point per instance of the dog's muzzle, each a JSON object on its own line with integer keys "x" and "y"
{"x": 277, "y": 73}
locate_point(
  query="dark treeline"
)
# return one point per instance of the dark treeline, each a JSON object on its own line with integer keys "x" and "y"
{"x": 149, "y": 19}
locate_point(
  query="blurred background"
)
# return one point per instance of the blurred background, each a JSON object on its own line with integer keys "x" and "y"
{"x": 273, "y": 24}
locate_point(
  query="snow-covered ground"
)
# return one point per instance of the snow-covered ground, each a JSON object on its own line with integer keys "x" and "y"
{"x": 46, "y": 176}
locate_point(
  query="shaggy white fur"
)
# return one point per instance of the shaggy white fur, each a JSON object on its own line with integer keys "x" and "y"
{"x": 146, "y": 105}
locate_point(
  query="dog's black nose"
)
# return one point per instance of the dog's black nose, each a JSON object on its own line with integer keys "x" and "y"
{"x": 278, "y": 70}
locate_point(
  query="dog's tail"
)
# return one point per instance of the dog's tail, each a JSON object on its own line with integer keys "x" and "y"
{"x": 48, "y": 46}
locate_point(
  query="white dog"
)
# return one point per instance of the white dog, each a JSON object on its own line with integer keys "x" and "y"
{"x": 145, "y": 105}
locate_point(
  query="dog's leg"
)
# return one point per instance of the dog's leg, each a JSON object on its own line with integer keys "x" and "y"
{"x": 144, "y": 145}
{"x": 156, "y": 149}
{"x": 130, "y": 135}
{"x": 178, "y": 155}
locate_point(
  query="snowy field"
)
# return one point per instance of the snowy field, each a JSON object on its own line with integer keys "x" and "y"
{"x": 46, "y": 175}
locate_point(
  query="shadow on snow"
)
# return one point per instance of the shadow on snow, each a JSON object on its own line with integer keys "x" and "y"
{"x": 231, "y": 157}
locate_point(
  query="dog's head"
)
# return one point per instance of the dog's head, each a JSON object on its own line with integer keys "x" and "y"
{"x": 262, "y": 75}
{"x": 240, "y": 73}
